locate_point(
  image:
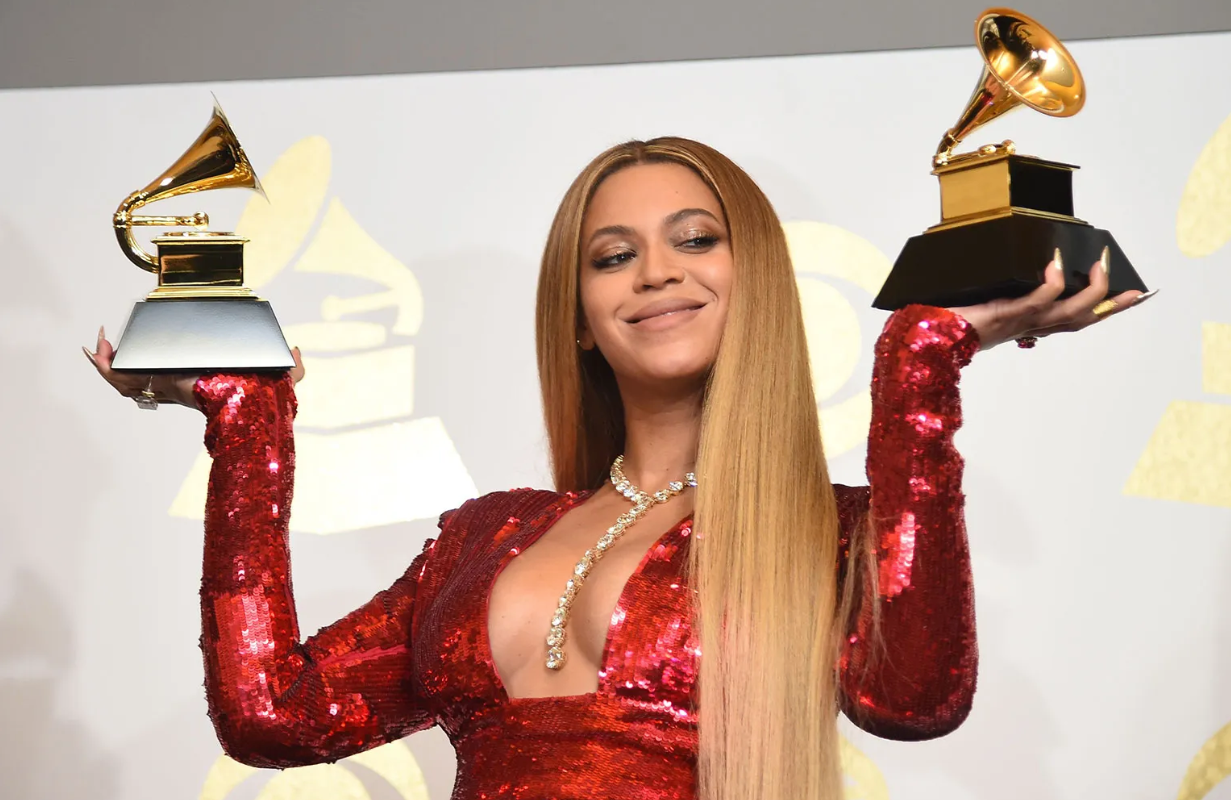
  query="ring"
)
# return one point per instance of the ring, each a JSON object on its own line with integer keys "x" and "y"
{"x": 1104, "y": 308}
{"x": 146, "y": 400}
{"x": 1027, "y": 342}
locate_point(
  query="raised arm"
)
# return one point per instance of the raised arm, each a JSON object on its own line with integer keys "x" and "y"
{"x": 277, "y": 702}
{"x": 909, "y": 665}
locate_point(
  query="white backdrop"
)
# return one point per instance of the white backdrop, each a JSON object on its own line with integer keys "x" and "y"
{"x": 401, "y": 252}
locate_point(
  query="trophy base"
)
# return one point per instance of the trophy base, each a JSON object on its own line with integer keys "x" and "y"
{"x": 202, "y": 335}
{"x": 1004, "y": 257}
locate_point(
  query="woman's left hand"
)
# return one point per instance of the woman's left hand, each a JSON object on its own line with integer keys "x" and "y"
{"x": 1040, "y": 313}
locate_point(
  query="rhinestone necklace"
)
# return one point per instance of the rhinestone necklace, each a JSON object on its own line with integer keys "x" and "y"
{"x": 642, "y": 502}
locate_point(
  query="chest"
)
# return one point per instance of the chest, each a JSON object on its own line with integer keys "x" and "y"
{"x": 630, "y": 631}
{"x": 525, "y": 596}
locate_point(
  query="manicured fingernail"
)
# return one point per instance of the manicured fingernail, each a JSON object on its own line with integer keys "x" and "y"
{"x": 101, "y": 335}
{"x": 1105, "y": 261}
{"x": 89, "y": 355}
{"x": 1058, "y": 261}
{"x": 1141, "y": 298}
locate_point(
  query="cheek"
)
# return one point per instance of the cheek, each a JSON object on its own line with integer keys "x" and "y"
{"x": 597, "y": 296}
{"x": 720, "y": 321}
{"x": 717, "y": 277}
{"x": 718, "y": 281}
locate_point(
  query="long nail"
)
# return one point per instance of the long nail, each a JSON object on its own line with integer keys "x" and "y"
{"x": 101, "y": 335}
{"x": 1141, "y": 298}
{"x": 1058, "y": 261}
{"x": 89, "y": 355}
{"x": 1105, "y": 261}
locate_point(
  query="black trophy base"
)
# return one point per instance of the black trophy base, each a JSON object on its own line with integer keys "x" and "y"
{"x": 1004, "y": 257}
{"x": 202, "y": 335}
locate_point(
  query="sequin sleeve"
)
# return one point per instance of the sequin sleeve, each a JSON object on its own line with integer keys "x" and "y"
{"x": 909, "y": 665}
{"x": 274, "y": 701}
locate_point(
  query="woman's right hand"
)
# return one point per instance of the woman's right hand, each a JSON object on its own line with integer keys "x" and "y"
{"x": 168, "y": 387}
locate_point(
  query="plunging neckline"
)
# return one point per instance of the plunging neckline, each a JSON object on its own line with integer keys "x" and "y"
{"x": 538, "y": 526}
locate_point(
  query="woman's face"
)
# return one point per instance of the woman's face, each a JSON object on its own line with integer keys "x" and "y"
{"x": 656, "y": 273}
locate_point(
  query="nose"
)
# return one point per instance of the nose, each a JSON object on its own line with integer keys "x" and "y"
{"x": 659, "y": 267}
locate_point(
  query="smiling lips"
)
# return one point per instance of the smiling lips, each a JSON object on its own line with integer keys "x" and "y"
{"x": 665, "y": 313}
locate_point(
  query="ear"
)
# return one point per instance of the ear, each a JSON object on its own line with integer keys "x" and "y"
{"x": 585, "y": 339}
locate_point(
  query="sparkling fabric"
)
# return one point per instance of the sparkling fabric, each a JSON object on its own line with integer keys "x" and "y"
{"x": 916, "y": 679}
{"x": 418, "y": 653}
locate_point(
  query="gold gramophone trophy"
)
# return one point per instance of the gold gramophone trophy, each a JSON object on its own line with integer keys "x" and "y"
{"x": 1004, "y": 214}
{"x": 201, "y": 317}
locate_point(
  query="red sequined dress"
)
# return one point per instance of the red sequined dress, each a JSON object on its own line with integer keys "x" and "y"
{"x": 418, "y": 655}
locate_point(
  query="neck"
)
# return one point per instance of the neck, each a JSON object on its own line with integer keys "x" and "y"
{"x": 662, "y": 434}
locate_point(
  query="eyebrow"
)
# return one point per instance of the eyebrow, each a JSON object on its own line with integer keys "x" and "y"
{"x": 685, "y": 213}
{"x": 670, "y": 219}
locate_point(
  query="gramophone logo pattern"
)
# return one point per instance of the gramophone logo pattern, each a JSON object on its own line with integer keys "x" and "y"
{"x": 1188, "y": 458}
{"x": 362, "y": 459}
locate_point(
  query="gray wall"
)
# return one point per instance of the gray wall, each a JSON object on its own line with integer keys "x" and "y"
{"x": 74, "y": 43}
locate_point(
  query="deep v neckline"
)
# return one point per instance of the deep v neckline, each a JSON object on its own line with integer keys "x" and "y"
{"x": 538, "y": 527}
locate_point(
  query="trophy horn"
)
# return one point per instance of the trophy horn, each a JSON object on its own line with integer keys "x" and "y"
{"x": 214, "y": 161}
{"x": 1023, "y": 64}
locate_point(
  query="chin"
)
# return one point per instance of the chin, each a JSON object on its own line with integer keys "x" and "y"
{"x": 675, "y": 368}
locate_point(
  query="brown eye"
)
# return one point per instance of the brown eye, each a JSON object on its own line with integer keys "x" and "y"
{"x": 703, "y": 241}
{"x": 614, "y": 259}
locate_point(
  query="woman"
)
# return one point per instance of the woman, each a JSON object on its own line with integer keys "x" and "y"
{"x": 670, "y": 341}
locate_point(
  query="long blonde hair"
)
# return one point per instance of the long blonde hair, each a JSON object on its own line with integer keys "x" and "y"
{"x": 763, "y": 561}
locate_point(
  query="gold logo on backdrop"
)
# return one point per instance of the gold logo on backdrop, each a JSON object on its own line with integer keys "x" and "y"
{"x": 861, "y": 778}
{"x": 820, "y": 251}
{"x": 1211, "y": 765}
{"x": 392, "y": 762}
{"x": 1203, "y": 223}
{"x": 362, "y": 459}
{"x": 1188, "y": 457}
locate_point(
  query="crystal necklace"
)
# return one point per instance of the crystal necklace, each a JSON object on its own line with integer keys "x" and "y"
{"x": 642, "y": 502}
